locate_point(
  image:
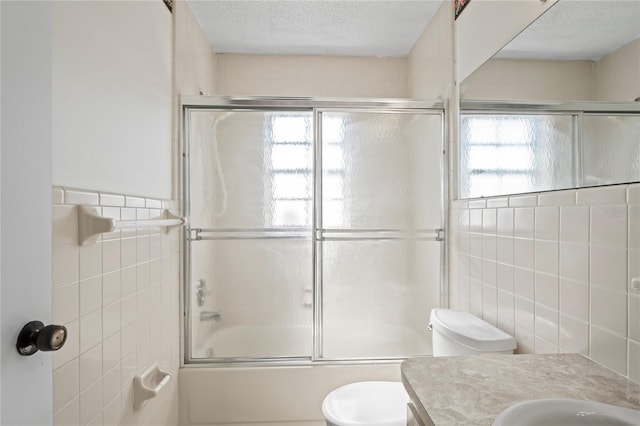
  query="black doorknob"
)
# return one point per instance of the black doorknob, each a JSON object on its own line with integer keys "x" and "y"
{"x": 36, "y": 336}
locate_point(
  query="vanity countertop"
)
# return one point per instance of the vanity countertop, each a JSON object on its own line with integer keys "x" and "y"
{"x": 473, "y": 390}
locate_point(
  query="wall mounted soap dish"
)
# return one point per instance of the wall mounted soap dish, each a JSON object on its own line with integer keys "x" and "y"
{"x": 147, "y": 384}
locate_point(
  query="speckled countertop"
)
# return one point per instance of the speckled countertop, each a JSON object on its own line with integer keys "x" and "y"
{"x": 474, "y": 390}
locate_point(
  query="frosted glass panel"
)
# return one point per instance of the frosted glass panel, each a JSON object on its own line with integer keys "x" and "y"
{"x": 262, "y": 291}
{"x": 251, "y": 169}
{"x": 291, "y": 186}
{"x": 509, "y": 154}
{"x": 290, "y": 157}
{"x": 254, "y": 182}
{"x": 611, "y": 149}
{"x": 377, "y": 296}
{"x": 381, "y": 170}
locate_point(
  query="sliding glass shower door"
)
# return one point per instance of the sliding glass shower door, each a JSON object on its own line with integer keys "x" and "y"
{"x": 378, "y": 251}
{"x": 315, "y": 232}
{"x": 250, "y": 206}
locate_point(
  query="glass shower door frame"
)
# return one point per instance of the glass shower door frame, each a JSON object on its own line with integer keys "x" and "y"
{"x": 191, "y": 233}
{"x": 318, "y": 106}
{"x": 321, "y": 234}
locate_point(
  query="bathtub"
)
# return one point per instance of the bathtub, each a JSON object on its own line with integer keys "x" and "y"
{"x": 258, "y": 393}
{"x": 278, "y": 394}
{"x": 259, "y": 341}
{"x": 266, "y": 341}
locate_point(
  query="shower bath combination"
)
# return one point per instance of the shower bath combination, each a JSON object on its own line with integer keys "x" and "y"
{"x": 316, "y": 229}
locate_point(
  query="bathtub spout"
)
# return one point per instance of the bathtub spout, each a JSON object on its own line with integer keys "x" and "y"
{"x": 210, "y": 316}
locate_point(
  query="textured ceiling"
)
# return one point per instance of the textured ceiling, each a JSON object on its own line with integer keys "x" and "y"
{"x": 578, "y": 30}
{"x": 316, "y": 27}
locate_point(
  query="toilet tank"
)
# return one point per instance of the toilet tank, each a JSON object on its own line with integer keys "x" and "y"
{"x": 460, "y": 333}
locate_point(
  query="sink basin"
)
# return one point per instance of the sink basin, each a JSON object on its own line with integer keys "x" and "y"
{"x": 566, "y": 412}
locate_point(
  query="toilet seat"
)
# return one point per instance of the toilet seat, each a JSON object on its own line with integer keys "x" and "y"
{"x": 367, "y": 403}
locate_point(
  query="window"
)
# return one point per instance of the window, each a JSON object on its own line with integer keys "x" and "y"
{"x": 513, "y": 153}
{"x": 500, "y": 153}
{"x": 333, "y": 171}
{"x": 291, "y": 165}
{"x": 292, "y": 174}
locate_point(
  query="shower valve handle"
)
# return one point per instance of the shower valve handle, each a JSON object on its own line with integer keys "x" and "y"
{"x": 201, "y": 292}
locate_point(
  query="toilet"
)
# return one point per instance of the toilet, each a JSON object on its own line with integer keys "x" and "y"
{"x": 366, "y": 403}
{"x": 385, "y": 403}
{"x": 460, "y": 333}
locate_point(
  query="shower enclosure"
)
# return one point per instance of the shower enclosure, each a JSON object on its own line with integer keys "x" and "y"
{"x": 316, "y": 228}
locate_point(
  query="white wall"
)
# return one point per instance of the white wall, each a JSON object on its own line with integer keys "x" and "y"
{"x": 618, "y": 74}
{"x": 194, "y": 59}
{"x": 194, "y": 72}
{"x": 119, "y": 297}
{"x": 485, "y": 26}
{"x": 320, "y": 76}
{"x": 614, "y": 77}
{"x": 431, "y": 64}
{"x": 25, "y": 199}
{"x": 532, "y": 80}
{"x": 112, "y": 76}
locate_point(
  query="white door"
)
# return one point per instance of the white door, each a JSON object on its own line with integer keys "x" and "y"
{"x": 25, "y": 207}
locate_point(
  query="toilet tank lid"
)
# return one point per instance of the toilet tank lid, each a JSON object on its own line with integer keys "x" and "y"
{"x": 471, "y": 331}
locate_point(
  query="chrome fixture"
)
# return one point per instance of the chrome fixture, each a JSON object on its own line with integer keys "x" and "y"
{"x": 210, "y": 316}
{"x": 201, "y": 292}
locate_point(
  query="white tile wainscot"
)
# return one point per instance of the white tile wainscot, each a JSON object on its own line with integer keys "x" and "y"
{"x": 119, "y": 299}
{"x": 562, "y": 265}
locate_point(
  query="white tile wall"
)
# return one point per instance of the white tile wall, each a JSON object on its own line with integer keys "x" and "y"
{"x": 121, "y": 311}
{"x": 555, "y": 269}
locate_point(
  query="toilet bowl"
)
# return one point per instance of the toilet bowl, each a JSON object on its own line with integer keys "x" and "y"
{"x": 385, "y": 403}
{"x": 366, "y": 403}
